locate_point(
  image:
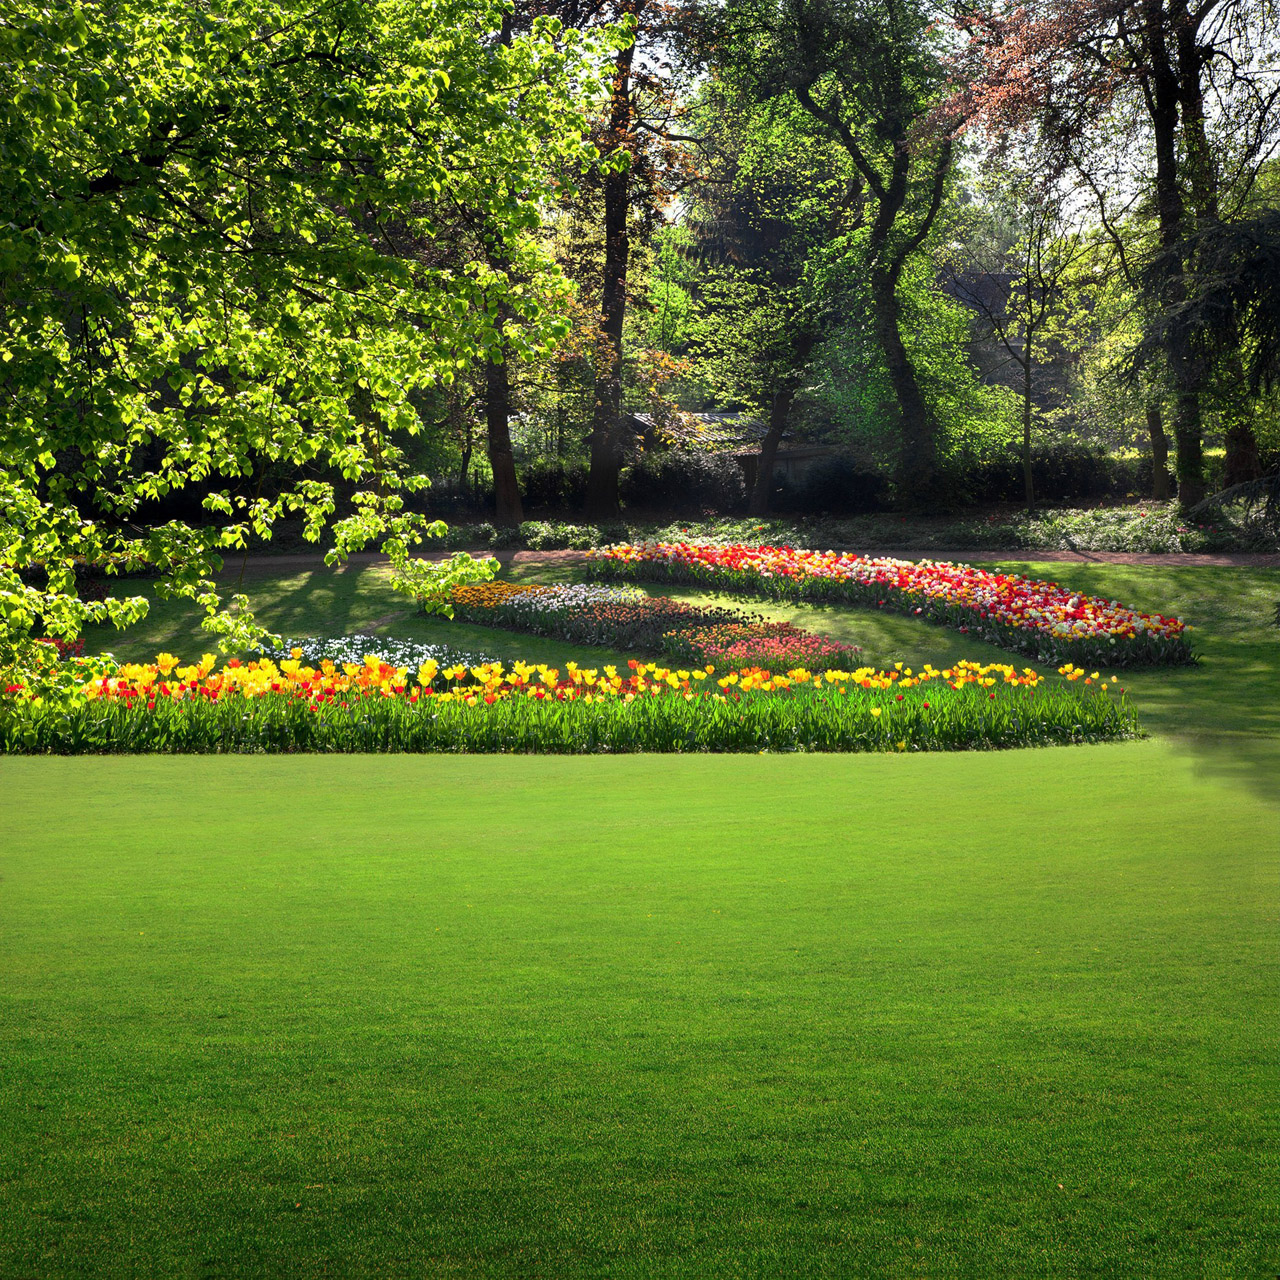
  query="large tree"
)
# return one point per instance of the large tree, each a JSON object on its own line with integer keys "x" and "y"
{"x": 869, "y": 74}
{"x": 644, "y": 163}
{"x": 778, "y": 195}
{"x": 230, "y": 242}
{"x": 1191, "y": 89}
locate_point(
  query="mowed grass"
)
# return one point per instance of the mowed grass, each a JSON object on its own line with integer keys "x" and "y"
{"x": 992, "y": 1014}
{"x": 761, "y": 1016}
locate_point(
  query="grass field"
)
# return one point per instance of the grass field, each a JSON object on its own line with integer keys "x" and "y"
{"x": 989, "y": 1014}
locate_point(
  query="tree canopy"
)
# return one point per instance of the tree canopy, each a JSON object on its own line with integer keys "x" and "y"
{"x": 236, "y": 234}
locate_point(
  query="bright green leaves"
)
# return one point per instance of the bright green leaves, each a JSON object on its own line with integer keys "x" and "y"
{"x": 235, "y": 235}
{"x": 430, "y": 583}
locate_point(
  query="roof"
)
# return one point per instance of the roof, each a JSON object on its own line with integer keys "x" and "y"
{"x": 711, "y": 431}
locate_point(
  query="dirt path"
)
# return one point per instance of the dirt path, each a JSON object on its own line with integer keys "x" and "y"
{"x": 1180, "y": 560}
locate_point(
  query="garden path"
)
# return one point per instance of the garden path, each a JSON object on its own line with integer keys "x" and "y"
{"x": 1180, "y": 560}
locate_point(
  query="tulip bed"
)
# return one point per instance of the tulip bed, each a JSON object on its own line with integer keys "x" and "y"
{"x": 775, "y": 645}
{"x": 376, "y": 707}
{"x": 614, "y": 617}
{"x": 1041, "y": 619}
{"x": 625, "y": 618}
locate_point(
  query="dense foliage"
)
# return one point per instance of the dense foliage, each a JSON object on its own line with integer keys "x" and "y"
{"x": 238, "y": 245}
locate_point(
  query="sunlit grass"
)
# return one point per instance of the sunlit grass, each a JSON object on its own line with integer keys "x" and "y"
{"x": 989, "y": 1015}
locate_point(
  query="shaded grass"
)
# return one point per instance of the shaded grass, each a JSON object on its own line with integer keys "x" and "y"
{"x": 326, "y": 603}
{"x": 652, "y": 1017}
{"x": 1226, "y": 710}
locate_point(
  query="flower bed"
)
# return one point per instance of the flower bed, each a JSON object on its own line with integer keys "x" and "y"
{"x": 615, "y": 617}
{"x": 66, "y": 648}
{"x": 373, "y": 706}
{"x": 1041, "y": 619}
{"x": 774, "y": 645}
{"x": 340, "y": 650}
{"x": 626, "y": 618}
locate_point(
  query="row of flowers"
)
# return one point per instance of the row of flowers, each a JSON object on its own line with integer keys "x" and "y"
{"x": 375, "y": 706}
{"x": 776, "y": 645}
{"x": 625, "y": 618}
{"x": 1042, "y": 619}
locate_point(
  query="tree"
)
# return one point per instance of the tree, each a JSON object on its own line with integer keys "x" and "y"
{"x": 644, "y": 163}
{"x": 776, "y": 194}
{"x": 1072, "y": 66}
{"x": 647, "y": 166}
{"x": 1019, "y": 287}
{"x": 869, "y": 73}
{"x": 230, "y": 244}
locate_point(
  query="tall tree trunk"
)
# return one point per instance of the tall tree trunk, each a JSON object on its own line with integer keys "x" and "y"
{"x": 917, "y": 469}
{"x": 1188, "y": 443}
{"x": 1027, "y": 478}
{"x": 1185, "y": 368}
{"x": 497, "y": 401}
{"x": 466, "y": 465}
{"x": 606, "y": 448}
{"x": 1243, "y": 460}
{"x": 779, "y": 413}
{"x": 1159, "y": 454}
{"x": 780, "y": 402}
{"x": 497, "y": 411}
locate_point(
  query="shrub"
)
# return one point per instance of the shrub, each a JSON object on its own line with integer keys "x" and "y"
{"x": 836, "y": 486}
{"x": 559, "y": 486}
{"x": 685, "y": 481}
{"x": 1060, "y": 473}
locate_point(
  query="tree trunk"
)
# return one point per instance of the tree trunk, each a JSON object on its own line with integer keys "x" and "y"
{"x": 1188, "y": 442}
{"x": 497, "y": 410}
{"x": 606, "y": 450}
{"x": 918, "y": 463}
{"x": 1159, "y": 454}
{"x": 506, "y": 488}
{"x": 779, "y": 413}
{"x": 780, "y": 403}
{"x": 1184, "y": 368}
{"x": 1028, "y": 480}
{"x": 466, "y": 466}
{"x": 460, "y": 426}
{"x": 1244, "y": 461}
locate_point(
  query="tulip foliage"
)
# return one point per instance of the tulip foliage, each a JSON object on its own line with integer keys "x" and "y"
{"x": 262, "y": 706}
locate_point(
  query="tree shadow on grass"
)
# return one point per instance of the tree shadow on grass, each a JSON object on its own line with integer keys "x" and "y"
{"x": 313, "y": 602}
{"x": 1225, "y": 710}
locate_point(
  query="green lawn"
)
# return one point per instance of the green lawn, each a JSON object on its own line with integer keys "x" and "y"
{"x": 988, "y": 1014}
{"x": 1006, "y": 1015}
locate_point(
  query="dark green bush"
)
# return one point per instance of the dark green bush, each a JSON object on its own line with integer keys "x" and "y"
{"x": 1060, "y": 473}
{"x": 555, "y": 485}
{"x": 685, "y": 482}
{"x": 832, "y": 486}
